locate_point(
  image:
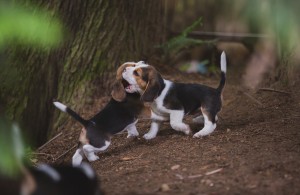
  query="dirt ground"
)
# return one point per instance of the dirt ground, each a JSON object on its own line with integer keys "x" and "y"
{"x": 255, "y": 148}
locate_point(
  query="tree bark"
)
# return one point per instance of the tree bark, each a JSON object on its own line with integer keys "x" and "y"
{"x": 99, "y": 35}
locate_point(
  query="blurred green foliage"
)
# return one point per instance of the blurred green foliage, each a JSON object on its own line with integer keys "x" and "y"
{"x": 11, "y": 148}
{"x": 278, "y": 18}
{"x": 28, "y": 26}
{"x": 181, "y": 41}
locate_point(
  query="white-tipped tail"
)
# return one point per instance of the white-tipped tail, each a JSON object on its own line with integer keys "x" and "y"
{"x": 60, "y": 106}
{"x": 223, "y": 62}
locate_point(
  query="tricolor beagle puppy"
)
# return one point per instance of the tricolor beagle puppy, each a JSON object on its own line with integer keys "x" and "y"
{"x": 172, "y": 101}
{"x": 121, "y": 113}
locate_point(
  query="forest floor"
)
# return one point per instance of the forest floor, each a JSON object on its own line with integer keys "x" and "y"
{"x": 255, "y": 148}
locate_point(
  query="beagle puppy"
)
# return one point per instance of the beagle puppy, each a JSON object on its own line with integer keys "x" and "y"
{"x": 60, "y": 179}
{"x": 119, "y": 114}
{"x": 172, "y": 101}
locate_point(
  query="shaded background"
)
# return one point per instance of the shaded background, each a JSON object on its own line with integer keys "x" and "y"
{"x": 69, "y": 51}
{"x": 97, "y": 36}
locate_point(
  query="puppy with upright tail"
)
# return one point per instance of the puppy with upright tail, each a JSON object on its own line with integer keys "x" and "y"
{"x": 172, "y": 100}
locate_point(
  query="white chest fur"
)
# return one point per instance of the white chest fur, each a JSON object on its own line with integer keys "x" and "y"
{"x": 157, "y": 106}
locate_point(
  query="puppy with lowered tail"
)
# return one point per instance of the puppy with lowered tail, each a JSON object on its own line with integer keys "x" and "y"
{"x": 121, "y": 113}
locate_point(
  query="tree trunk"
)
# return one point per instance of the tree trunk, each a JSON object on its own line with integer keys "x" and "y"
{"x": 99, "y": 35}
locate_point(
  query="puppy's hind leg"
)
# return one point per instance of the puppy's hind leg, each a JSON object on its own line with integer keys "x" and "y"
{"x": 90, "y": 150}
{"x": 132, "y": 131}
{"x": 209, "y": 126}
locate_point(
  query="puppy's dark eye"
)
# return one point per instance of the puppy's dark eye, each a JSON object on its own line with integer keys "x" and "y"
{"x": 135, "y": 73}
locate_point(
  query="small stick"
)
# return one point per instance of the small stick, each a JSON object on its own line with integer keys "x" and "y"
{"x": 131, "y": 158}
{"x": 253, "y": 99}
{"x": 214, "y": 171}
{"x": 65, "y": 153}
{"x": 206, "y": 174}
{"x": 274, "y": 90}
{"x": 41, "y": 153}
{"x": 41, "y": 147}
{"x": 194, "y": 176}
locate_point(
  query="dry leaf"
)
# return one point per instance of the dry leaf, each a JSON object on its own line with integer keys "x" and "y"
{"x": 164, "y": 187}
{"x": 175, "y": 167}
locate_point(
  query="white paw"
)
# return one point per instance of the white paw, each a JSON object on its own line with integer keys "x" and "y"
{"x": 200, "y": 134}
{"x": 92, "y": 158}
{"x": 132, "y": 135}
{"x": 187, "y": 132}
{"x": 149, "y": 136}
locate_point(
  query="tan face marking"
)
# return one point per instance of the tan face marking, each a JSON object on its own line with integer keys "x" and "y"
{"x": 138, "y": 75}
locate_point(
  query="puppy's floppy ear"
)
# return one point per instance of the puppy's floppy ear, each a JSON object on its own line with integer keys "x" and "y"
{"x": 118, "y": 92}
{"x": 154, "y": 86}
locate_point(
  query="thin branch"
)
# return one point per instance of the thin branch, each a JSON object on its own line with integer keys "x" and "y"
{"x": 252, "y": 98}
{"x": 194, "y": 176}
{"x": 199, "y": 175}
{"x": 274, "y": 90}
{"x": 214, "y": 171}
{"x": 65, "y": 153}
{"x": 41, "y": 153}
{"x": 41, "y": 147}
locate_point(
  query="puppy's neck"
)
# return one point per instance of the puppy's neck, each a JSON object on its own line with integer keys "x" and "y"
{"x": 164, "y": 90}
{"x": 133, "y": 95}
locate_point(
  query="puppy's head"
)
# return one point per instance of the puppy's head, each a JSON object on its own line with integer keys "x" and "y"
{"x": 118, "y": 92}
{"x": 145, "y": 79}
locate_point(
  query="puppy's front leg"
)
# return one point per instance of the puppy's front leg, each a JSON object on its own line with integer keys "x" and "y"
{"x": 153, "y": 130}
{"x": 156, "y": 121}
{"x": 176, "y": 117}
{"x": 132, "y": 131}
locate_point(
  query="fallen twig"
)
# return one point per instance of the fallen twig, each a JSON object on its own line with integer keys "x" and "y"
{"x": 214, "y": 171}
{"x": 274, "y": 90}
{"x": 194, "y": 176}
{"x": 131, "y": 158}
{"x": 65, "y": 153}
{"x": 41, "y": 147}
{"x": 198, "y": 175}
{"x": 41, "y": 153}
{"x": 252, "y": 98}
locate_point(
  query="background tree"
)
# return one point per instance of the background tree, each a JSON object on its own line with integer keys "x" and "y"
{"x": 99, "y": 35}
